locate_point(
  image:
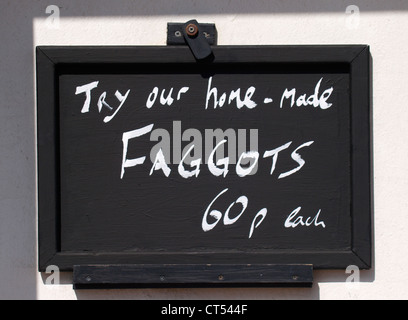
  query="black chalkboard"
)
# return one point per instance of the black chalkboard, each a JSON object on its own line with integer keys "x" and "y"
{"x": 118, "y": 128}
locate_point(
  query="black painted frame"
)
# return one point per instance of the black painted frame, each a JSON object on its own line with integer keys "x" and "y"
{"x": 355, "y": 57}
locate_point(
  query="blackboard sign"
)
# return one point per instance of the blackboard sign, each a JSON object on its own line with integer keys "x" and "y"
{"x": 261, "y": 156}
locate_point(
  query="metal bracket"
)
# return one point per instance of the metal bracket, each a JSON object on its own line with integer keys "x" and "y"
{"x": 199, "y": 37}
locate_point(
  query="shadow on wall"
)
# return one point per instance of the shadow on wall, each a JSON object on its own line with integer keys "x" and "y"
{"x": 77, "y": 8}
{"x": 17, "y": 128}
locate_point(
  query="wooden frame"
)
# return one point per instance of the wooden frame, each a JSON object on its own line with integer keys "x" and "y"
{"x": 356, "y": 59}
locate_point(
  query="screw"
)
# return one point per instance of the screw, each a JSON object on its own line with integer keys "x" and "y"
{"x": 192, "y": 30}
{"x": 220, "y": 277}
{"x": 88, "y": 278}
{"x": 162, "y": 278}
{"x": 295, "y": 278}
{"x": 177, "y": 34}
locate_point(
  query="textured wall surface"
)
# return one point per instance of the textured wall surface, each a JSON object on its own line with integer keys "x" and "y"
{"x": 26, "y": 24}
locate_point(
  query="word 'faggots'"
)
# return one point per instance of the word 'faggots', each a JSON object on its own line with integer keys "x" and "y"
{"x": 246, "y": 164}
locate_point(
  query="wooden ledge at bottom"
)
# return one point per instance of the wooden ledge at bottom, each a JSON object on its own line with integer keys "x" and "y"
{"x": 192, "y": 275}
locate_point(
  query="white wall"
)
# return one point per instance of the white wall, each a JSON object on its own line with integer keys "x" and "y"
{"x": 382, "y": 24}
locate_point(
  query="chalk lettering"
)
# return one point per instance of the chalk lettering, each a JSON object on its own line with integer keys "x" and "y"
{"x": 314, "y": 100}
{"x": 127, "y": 163}
{"x": 212, "y": 93}
{"x": 165, "y": 98}
{"x": 87, "y": 88}
{"x": 217, "y": 215}
{"x": 296, "y": 156}
{"x": 291, "y": 222}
